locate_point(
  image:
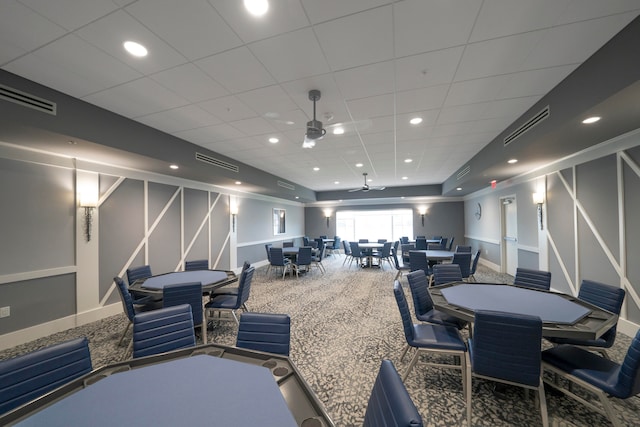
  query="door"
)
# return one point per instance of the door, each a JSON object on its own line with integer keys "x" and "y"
{"x": 510, "y": 235}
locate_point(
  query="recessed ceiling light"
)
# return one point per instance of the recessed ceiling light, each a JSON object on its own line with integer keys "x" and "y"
{"x": 338, "y": 131}
{"x": 316, "y": 169}
{"x": 336, "y": 182}
{"x": 405, "y": 177}
{"x": 274, "y": 140}
{"x": 512, "y": 161}
{"x": 459, "y": 189}
{"x": 289, "y": 122}
{"x": 416, "y": 120}
{"x": 135, "y": 49}
{"x": 369, "y": 180}
{"x": 408, "y": 160}
{"x": 590, "y": 120}
{"x": 173, "y": 166}
{"x": 238, "y": 182}
{"x": 402, "y": 197}
{"x": 359, "y": 165}
{"x": 256, "y": 7}
{"x": 297, "y": 197}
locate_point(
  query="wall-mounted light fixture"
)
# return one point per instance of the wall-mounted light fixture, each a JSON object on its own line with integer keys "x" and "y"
{"x": 538, "y": 199}
{"x": 88, "y": 201}
{"x": 422, "y": 211}
{"x": 327, "y": 215}
{"x": 234, "y": 211}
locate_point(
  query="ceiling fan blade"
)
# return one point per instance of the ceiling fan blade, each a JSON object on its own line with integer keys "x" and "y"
{"x": 377, "y": 188}
{"x": 354, "y": 190}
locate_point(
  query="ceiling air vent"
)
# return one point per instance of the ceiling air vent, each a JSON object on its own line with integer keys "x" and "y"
{"x": 27, "y": 100}
{"x": 286, "y": 185}
{"x": 528, "y": 125}
{"x": 465, "y": 170}
{"x": 217, "y": 162}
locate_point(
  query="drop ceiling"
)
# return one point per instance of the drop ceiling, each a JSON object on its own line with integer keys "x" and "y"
{"x": 220, "y": 78}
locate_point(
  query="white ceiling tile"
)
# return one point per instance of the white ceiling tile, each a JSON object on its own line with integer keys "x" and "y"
{"x": 427, "y": 69}
{"x": 295, "y": 119}
{"x": 179, "y": 119}
{"x": 373, "y": 41}
{"x": 192, "y": 27}
{"x": 509, "y": 107}
{"x": 210, "y": 134}
{"x": 378, "y": 124}
{"x": 22, "y": 30}
{"x": 421, "y": 99}
{"x": 462, "y": 113}
{"x": 477, "y": 90}
{"x": 71, "y": 14}
{"x": 367, "y": 80}
{"x": 281, "y": 55}
{"x": 325, "y": 10}
{"x": 499, "y": 18}
{"x": 534, "y": 82}
{"x": 253, "y": 126}
{"x": 424, "y": 26}
{"x": 190, "y": 82}
{"x": 226, "y": 68}
{"x": 584, "y": 10}
{"x": 374, "y": 106}
{"x": 74, "y": 67}
{"x": 268, "y": 101}
{"x": 228, "y": 108}
{"x": 110, "y": 32}
{"x": 137, "y": 98}
{"x": 283, "y": 16}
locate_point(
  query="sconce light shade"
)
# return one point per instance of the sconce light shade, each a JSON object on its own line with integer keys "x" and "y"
{"x": 538, "y": 198}
{"x": 88, "y": 201}
{"x": 422, "y": 211}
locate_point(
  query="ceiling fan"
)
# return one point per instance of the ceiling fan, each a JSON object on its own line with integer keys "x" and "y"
{"x": 365, "y": 188}
{"x": 315, "y": 131}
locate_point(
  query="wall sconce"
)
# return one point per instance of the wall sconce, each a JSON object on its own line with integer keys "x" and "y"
{"x": 234, "y": 211}
{"x": 422, "y": 212}
{"x": 88, "y": 201}
{"x": 327, "y": 215}
{"x": 538, "y": 199}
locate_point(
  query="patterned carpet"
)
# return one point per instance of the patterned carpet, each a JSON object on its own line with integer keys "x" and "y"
{"x": 343, "y": 323}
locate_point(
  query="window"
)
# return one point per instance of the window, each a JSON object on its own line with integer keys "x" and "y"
{"x": 374, "y": 225}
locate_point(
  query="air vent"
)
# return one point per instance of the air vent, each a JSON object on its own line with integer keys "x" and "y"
{"x": 217, "y": 162}
{"x": 528, "y": 125}
{"x": 286, "y": 185}
{"x": 27, "y": 100}
{"x": 465, "y": 170}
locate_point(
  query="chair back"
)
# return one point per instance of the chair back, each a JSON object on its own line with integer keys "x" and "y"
{"x": 162, "y": 330}
{"x": 287, "y": 244}
{"x": 405, "y": 248}
{"x": 200, "y": 264}
{"x": 347, "y": 247}
{"x": 533, "y": 279}
{"x": 185, "y": 293}
{"x": 135, "y": 273}
{"x": 424, "y": 237}
{"x": 382, "y": 240}
{"x": 474, "y": 264}
{"x": 390, "y": 404}
{"x": 450, "y": 243}
{"x": 405, "y": 314}
{"x": 463, "y": 259}
{"x": 27, "y": 377}
{"x": 436, "y": 238}
{"x": 304, "y": 256}
{"x": 421, "y": 243}
{"x": 363, "y": 241}
{"x": 268, "y": 247}
{"x": 305, "y": 241}
{"x": 443, "y": 242}
{"x": 507, "y": 346}
{"x": 463, "y": 248}
{"x": 418, "y": 261}
{"x": 404, "y": 239}
{"x": 355, "y": 250}
{"x": 244, "y": 287}
{"x": 320, "y": 255}
{"x": 245, "y": 265}
{"x": 323, "y": 237}
{"x": 277, "y": 257}
{"x": 629, "y": 375}
{"x": 419, "y": 284}
{"x": 605, "y": 296}
{"x": 266, "y": 332}
{"x": 336, "y": 243}
{"x": 386, "y": 250}
{"x": 435, "y": 247}
{"x": 125, "y": 297}
{"x": 446, "y": 273}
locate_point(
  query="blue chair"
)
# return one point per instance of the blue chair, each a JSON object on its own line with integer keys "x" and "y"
{"x": 305, "y": 240}
{"x": 233, "y": 303}
{"x": 607, "y": 297}
{"x": 405, "y": 248}
{"x": 429, "y": 338}
{"x": 303, "y": 260}
{"x": 601, "y": 376}
{"x": 229, "y": 290}
{"x": 421, "y": 243}
{"x": 435, "y": 247}
{"x": 443, "y": 243}
{"x": 335, "y": 247}
{"x": 27, "y": 377}
{"x": 450, "y": 243}
{"x": 356, "y": 253}
{"x": 384, "y": 255}
{"x": 423, "y": 304}
{"x": 129, "y": 305}
{"x": 506, "y": 348}
{"x": 316, "y": 260}
{"x": 135, "y": 273}
{"x": 390, "y": 403}
{"x": 162, "y": 330}
{"x": 399, "y": 268}
{"x": 463, "y": 259}
{"x": 287, "y": 244}
{"x": 404, "y": 240}
{"x": 200, "y": 264}
{"x": 463, "y": 248}
{"x": 347, "y": 251}
{"x": 474, "y": 267}
{"x": 446, "y": 273}
{"x": 418, "y": 261}
{"x": 266, "y": 332}
{"x": 533, "y": 279}
{"x": 278, "y": 260}
{"x": 187, "y": 293}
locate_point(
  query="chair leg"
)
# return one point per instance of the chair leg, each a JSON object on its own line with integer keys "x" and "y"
{"x": 468, "y": 388}
{"x": 608, "y": 409}
{"x": 404, "y": 352}
{"x": 124, "y": 333}
{"x": 413, "y": 362}
{"x": 543, "y": 404}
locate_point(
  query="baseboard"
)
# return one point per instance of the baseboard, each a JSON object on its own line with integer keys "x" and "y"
{"x": 628, "y": 328}
{"x": 25, "y": 335}
{"x": 488, "y": 264}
